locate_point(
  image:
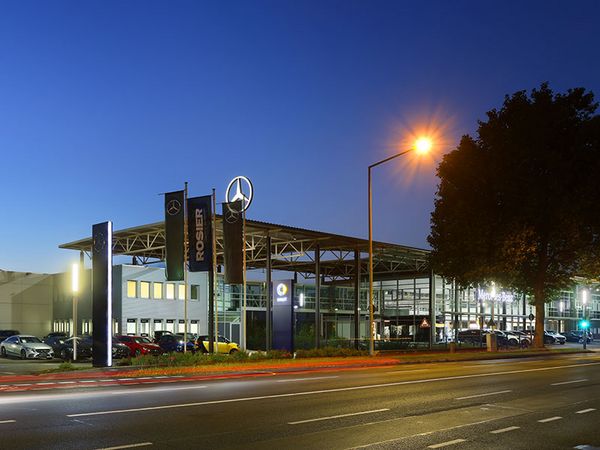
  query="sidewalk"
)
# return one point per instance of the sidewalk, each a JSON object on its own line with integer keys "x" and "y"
{"x": 152, "y": 375}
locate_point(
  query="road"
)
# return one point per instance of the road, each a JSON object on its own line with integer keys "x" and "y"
{"x": 519, "y": 404}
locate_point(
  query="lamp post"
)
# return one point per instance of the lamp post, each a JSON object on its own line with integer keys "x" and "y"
{"x": 422, "y": 145}
{"x": 584, "y": 322}
{"x": 74, "y": 291}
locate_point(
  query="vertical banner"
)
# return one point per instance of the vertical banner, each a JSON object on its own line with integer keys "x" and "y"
{"x": 102, "y": 294}
{"x": 233, "y": 242}
{"x": 199, "y": 210}
{"x": 283, "y": 315}
{"x": 174, "y": 223}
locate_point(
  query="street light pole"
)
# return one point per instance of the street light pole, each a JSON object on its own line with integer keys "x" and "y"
{"x": 371, "y": 318}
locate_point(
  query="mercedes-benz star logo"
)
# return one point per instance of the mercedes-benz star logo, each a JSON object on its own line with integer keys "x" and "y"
{"x": 231, "y": 215}
{"x": 243, "y": 191}
{"x": 99, "y": 242}
{"x": 173, "y": 207}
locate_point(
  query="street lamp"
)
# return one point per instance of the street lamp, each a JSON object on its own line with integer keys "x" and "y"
{"x": 422, "y": 145}
{"x": 74, "y": 291}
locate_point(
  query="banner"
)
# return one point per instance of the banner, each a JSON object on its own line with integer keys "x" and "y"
{"x": 174, "y": 247}
{"x": 102, "y": 294}
{"x": 233, "y": 242}
{"x": 199, "y": 210}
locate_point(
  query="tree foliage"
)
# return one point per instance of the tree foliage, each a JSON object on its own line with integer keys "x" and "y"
{"x": 517, "y": 204}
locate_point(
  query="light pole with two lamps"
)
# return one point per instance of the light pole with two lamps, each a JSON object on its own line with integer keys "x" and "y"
{"x": 421, "y": 146}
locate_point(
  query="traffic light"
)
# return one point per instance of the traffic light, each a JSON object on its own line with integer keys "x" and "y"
{"x": 584, "y": 324}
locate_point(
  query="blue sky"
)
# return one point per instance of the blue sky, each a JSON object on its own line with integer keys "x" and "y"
{"x": 104, "y": 104}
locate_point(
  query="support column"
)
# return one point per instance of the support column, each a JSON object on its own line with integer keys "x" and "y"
{"x": 457, "y": 318}
{"x": 524, "y": 299}
{"x": 318, "y": 297}
{"x": 356, "y": 298}
{"x": 432, "y": 330}
{"x": 269, "y": 295}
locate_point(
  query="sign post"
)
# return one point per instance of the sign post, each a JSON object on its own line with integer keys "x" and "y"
{"x": 283, "y": 315}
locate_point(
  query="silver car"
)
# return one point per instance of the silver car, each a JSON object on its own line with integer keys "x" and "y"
{"x": 26, "y": 347}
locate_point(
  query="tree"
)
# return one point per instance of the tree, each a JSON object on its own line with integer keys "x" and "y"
{"x": 518, "y": 203}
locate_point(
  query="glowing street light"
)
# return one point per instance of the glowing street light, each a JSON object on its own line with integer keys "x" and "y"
{"x": 422, "y": 146}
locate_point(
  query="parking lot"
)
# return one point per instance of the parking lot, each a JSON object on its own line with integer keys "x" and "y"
{"x": 16, "y": 366}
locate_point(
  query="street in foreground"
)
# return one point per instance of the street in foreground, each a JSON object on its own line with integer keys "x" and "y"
{"x": 529, "y": 403}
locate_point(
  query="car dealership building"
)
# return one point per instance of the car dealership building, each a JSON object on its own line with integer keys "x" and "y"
{"x": 412, "y": 306}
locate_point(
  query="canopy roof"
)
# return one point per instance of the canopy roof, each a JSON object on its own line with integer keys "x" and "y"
{"x": 292, "y": 249}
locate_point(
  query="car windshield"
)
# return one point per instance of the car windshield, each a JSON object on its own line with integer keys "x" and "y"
{"x": 142, "y": 340}
{"x": 30, "y": 340}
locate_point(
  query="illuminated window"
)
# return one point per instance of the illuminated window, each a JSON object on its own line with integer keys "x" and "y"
{"x": 158, "y": 288}
{"x": 131, "y": 289}
{"x": 194, "y": 292}
{"x": 170, "y": 291}
{"x": 181, "y": 291}
{"x": 144, "y": 289}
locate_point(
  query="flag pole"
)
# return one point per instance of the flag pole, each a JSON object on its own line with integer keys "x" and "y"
{"x": 185, "y": 269}
{"x": 214, "y": 305}
{"x": 245, "y": 347}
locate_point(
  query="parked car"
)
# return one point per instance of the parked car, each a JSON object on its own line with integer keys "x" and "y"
{"x": 54, "y": 334}
{"x": 223, "y": 345}
{"x": 554, "y": 338}
{"x": 158, "y": 334}
{"x": 139, "y": 345}
{"x": 172, "y": 343}
{"x": 63, "y": 347}
{"x": 119, "y": 350}
{"x": 7, "y": 333}
{"x": 577, "y": 336}
{"x": 26, "y": 347}
{"x": 473, "y": 337}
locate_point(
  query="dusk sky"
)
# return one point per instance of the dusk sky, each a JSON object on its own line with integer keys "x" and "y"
{"x": 104, "y": 105}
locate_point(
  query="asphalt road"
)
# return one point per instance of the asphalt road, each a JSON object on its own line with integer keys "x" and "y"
{"x": 531, "y": 403}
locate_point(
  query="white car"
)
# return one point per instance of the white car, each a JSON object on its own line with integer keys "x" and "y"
{"x": 26, "y": 347}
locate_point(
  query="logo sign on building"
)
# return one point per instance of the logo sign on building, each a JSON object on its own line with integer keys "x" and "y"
{"x": 102, "y": 294}
{"x": 199, "y": 212}
{"x": 240, "y": 189}
{"x": 503, "y": 297}
{"x": 174, "y": 246}
{"x": 283, "y": 315}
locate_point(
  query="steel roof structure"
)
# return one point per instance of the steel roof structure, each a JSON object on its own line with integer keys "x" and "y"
{"x": 292, "y": 249}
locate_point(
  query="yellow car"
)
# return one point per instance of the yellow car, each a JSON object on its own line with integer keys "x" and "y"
{"x": 223, "y": 345}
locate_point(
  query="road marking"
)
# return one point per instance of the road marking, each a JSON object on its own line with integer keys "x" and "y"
{"x": 400, "y": 372}
{"x": 88, "y": 381}
{"x": 338, "y": 416}
{"x": 7, "y": 421}
{"x": 151, "y": 390}
{"x": 327, "y": 391}
{"x": 141, "y": 444}
{"x": 106, "y": 380}
{"x": 482, "y": 395}
{"x": 305, "y": 379}
{"x": 447, "y": 443}
{"x": 66, "y": 382}
{"x": 504, "y": 430}
{"x": 550, "y": 419}
{"x": 47, "y": 382}
{"x": 569, "y": 382}
{"x": 584, "y": 411}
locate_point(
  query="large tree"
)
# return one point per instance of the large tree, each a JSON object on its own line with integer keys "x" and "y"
{"x": 518, "y": 203}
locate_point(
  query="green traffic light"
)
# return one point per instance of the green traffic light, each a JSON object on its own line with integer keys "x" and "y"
{"x": 584, "y": 324}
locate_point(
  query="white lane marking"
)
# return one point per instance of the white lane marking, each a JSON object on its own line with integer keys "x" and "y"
{"x": 568, "y": 382}
{"x": 150, "y": 390}
{"x": 22, "y": 384}
{"x": 327, "y": 391}
{"x": 140, "y": 444}
{"x": 125, "y": 379}
{"x": 483, "y": 395}
{"x": 426, "y": 433}
{"x": 7, "y": 421}
{"x": 45, "y": 383}
{"x": 88, "y": 381}
{"x": 338, "y": 416}
{"x": 304, "y": 379}
{"x": 106, "y": 380}
{"x": 550, "y": 419}
{"x": 400, "y": 372}
{"x": 584, "y": 411}
{"x": 504, "y": 430}
{"x": 66, "y": 382}
{"x": 447, "y": 443}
